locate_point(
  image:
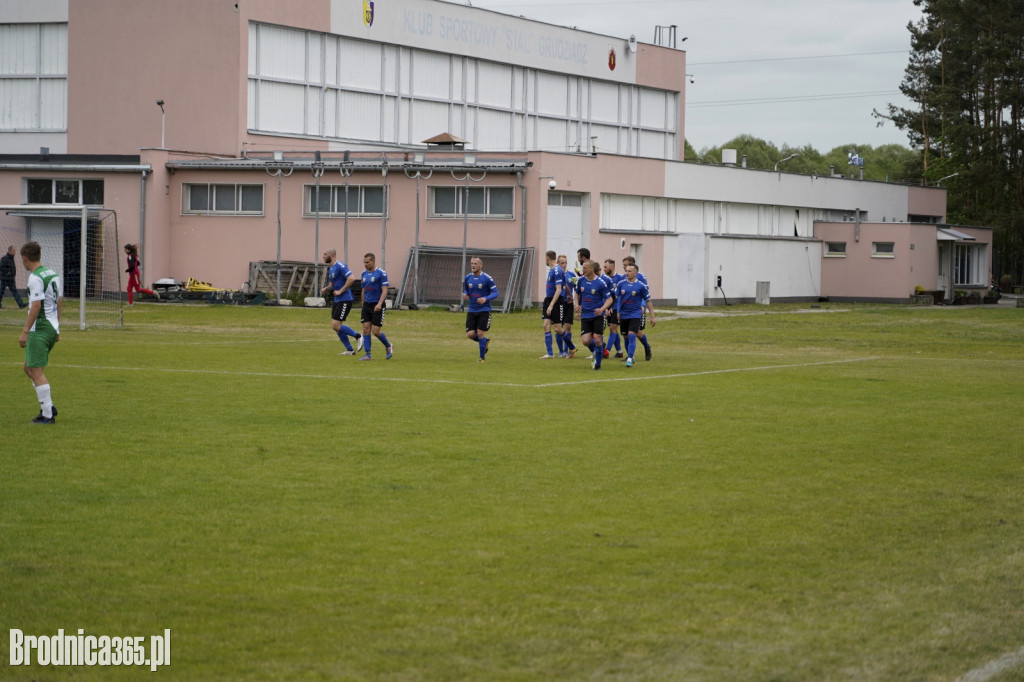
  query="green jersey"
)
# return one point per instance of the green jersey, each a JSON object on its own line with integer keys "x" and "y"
{"x": 44, "y": 285}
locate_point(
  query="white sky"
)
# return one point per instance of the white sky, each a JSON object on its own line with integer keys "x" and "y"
{"x": 792, "y": 72}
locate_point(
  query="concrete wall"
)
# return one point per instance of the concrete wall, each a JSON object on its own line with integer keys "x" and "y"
{"x": 792, "y": 266}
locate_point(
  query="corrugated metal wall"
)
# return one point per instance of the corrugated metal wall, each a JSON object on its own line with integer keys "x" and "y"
{"x": 332, "y": 87}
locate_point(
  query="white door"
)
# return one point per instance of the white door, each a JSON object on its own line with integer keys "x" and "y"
{"x": 565, "y": 223}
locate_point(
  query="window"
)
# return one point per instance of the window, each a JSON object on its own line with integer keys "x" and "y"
{"x": 477, "y": 202}
{"x": 33, "y": 77}
{"x": 223, "y": 199}
{"x": 64, "y": 191}
{"x": 360, "y": 200}
{"x": 835, "y": 249}
{"x": 564, "y": 199}
{"x": 968, "y": 264}
{"x": 883, "y": 250}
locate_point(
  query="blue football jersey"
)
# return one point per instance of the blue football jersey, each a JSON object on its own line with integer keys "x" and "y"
{"x": 339, "y": 274}
{"x": 477, "y": 286}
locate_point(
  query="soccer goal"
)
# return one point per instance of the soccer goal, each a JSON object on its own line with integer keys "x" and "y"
{"x": 80, "y": 244}
{"x": 434, "y": 275}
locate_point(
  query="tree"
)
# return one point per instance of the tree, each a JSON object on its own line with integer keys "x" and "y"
{"x": 965, "y": 77}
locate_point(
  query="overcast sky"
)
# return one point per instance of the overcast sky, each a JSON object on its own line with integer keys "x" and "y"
{"x": 791, "y": 72}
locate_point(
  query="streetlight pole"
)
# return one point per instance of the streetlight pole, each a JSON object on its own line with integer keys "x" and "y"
{"x": 277, "y": 169}
{"x": 469, "y": 160}
{"x": 318, "y": 171}
{"x": 419, "y": 173}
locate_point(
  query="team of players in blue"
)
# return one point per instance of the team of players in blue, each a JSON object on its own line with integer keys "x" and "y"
{"x": 622, "y": 301}
{"x": 374, "y": 283}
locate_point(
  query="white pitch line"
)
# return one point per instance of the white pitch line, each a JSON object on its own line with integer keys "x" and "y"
{"x": 992, "y": 668}
{"x": 576, "y": 382}
{"x": 697, "y": 374}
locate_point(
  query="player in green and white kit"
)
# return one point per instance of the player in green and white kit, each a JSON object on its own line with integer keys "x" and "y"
{"x": 42, "y": 328}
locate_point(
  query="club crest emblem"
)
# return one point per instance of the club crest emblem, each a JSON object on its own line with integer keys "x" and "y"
{"x": 368, "y": 13}
{"x": 611, "y": 59}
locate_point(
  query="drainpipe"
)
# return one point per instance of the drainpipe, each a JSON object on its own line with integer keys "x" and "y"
{"x": 142, "y": 223}
{"x": 522, "y": 226}
{"x": 856, "y": 229}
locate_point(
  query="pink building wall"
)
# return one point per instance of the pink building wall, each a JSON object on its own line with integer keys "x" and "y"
{"x": 859, "y": 275}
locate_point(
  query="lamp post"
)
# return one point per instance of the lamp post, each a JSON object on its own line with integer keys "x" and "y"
{"x": 318, "y": 172}
{"x": 345, "y": 169}
{"x": 939, "y": 183}
{"x": 277, "y": 169}
{"x": 163, "y": 122}
{"x": 794, "y": 154}
{"x": 469, "y": 160}
{"x": 418, "y": 173}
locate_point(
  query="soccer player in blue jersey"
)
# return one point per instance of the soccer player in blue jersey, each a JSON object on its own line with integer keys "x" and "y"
{"x": 552, "y": 308}
{"x": 375, "y": 294}
{"x": 641, "y": 335}
{"x": 565, "y": 343}
{"x": 340, "y": 281}
{"x": 593, "y": 299}
{"x": 613, "y": 317}
{"x": 479, "y": 289}
{"x": 632, "y": 297}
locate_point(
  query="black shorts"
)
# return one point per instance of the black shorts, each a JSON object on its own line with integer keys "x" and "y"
{"x": 557, "y": 311}
{"x": 569, "y": 312}
{"x": 478, "y": 321}
{"x": 376, "y": 319}
{"x": 613, "y": 317}
{"x": 592, "y": 325}
{"x": 630, "y": 325}
{"x": 340, "y": 310}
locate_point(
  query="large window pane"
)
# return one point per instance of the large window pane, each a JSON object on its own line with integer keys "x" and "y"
{"x": 501, "y": 201}
{"x": 373, "y": 200}
{"x": 224, "y": 197}
{"x": 199, "y": 198}
{"x": 40, "y": 191}
{"x": 324, "y": 201}
{"x": 252, "y": 198}
{"x": 92, "y": 192}
{"x": 66, "y": 191}
{"x": 477, "y": 201}
{"x": 444, "y": 201}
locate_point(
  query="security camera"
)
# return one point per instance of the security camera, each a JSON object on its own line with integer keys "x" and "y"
{"x": 552, "y": 184}
{"x": 159, "y": 102}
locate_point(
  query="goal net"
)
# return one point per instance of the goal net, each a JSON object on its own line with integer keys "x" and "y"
{"x": 434, "y": 275}
{"x": 81, "y": 245}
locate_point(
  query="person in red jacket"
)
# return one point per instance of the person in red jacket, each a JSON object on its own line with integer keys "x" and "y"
{"x": 134, "y": 278}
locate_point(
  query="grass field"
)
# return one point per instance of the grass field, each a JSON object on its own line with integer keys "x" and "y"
{"x": 826, "y": 495}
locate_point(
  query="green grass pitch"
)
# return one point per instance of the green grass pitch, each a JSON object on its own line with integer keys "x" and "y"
{"x": 776, "y": 495}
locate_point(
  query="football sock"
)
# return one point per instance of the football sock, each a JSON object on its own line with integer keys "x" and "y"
{"x": 547, "y": 342}
{"x": 613, "y": 341}
{"x": 384, "y": 339}
{"x": 569, "y": 345}
{"x": 482, "y": 342}
{"x": 561, "y": 343}
{"x": 45, "y": 404}
{"x": 344, "y": 339}
{"x": 366, "y": 343}
{"x": 348, "y": 331}
{"x": 598, "y": 353}
{"x": 643, "y": 340}
{"x": 631, "y": 345}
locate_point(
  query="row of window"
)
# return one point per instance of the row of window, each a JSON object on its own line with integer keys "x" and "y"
{"x": 359, "y": 201}
{"x": 878, "y": 249}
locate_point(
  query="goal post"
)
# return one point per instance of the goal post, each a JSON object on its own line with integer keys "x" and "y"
{"x": 80, "y": 243}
